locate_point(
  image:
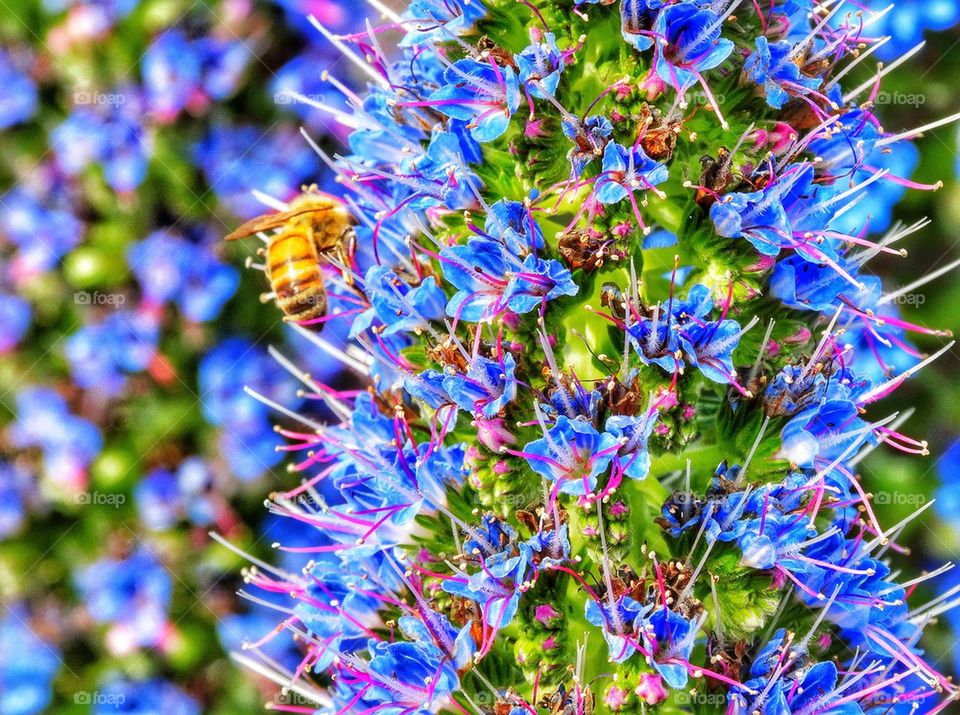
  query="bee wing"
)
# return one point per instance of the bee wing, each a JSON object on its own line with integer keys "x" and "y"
{"x": 271, "y": 221}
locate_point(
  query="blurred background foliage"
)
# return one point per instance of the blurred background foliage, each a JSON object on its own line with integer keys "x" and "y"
{"x": 133, "y": 134}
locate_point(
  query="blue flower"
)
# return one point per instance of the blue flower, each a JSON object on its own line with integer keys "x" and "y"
{"x": 477, "y": 269}
{"x": 69, "y": 443}
{"x": 618, "y": 620}
{"x": 490, "y": 279}
{"x": 824, "y": 432}
{"x": 774, "y": 68}
{"x": 247, "y": 438}
{"x": 802, "y": 285}
{"x": 626, "y": 171}
{"x": 431, "y": 21}
{"x": 635, "y": 24}
{"x": 692, "y": 44}
{"x": 237, "y": 159}
{"x": 408, "y": 677}
{"x": 948, "y": 496}
{"x": 710, "y": 348}
{"x": 487, "y": 387}
{"x": 434, "y": 629}
{"x": 222, "y": 65}
{"x": 481, "y": 93}
{"x": 335, "y": 609}
{"x": 589, "y": 139}
{"x": 398, "y": 306}
{"x": 536, "y": 282}
{"x": 573, "y": 454}
{"x": 907, "y": 22}
{"x": 20, "y": 214}
{"x": 633, "y": 433}
{"x": 110, "y": 135}
{"x": 511, "y": 223}
{"x": 757, "y": 216}
{"x": 158, "y": 499}
{"x": 668, "y": 635}
{"x": 496, "y": 587}
{"x": 657, "y": 341}
{"x": 540, "y": 65}
{"x": 17, "y": 490}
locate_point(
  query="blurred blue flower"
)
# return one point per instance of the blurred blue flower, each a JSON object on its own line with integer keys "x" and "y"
{"x": 238, "y": 159}
{"x": 27, "y": 665}
{"x": 164, "y": 497}
{"x": 247, "y": 439}
{"x": 145, "y": 697}
{"x": 168, "y": 267}
{"x": 171, "y": 74}
{"x": 19, "y": 100}
{"x": 300, "y": 75}
{"x": 14, "y": 320}
{"x": 69, "y": 443}
{"x": 948, "y": 496}
{"x": 131, "y": 594}
{"x": 107, "y": 130}
{"x": 102, "y": 354}
{"x": 17, "y": 488}
{"x": 907, "y": 22}
{"x": 20, "y": 214}
{"x": 222, "y": 65}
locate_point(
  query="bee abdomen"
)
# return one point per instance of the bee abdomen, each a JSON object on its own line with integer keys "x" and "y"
{"x": 307, "y": 303}
{"x": 296, "y": 277}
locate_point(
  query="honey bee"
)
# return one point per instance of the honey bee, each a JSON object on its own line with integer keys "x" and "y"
{"x": 315, "y": 225}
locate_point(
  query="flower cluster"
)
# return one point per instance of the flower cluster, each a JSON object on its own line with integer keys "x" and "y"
{"x": 603, "y": 249}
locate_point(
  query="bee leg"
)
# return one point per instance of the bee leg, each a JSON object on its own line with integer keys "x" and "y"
{"x": 344, "y": 250}
{"x": 267, "y": 297}
{"x": 250, "y": 263}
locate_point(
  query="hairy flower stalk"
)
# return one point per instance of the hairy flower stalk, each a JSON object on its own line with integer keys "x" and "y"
{"x": 610, "y": 293}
